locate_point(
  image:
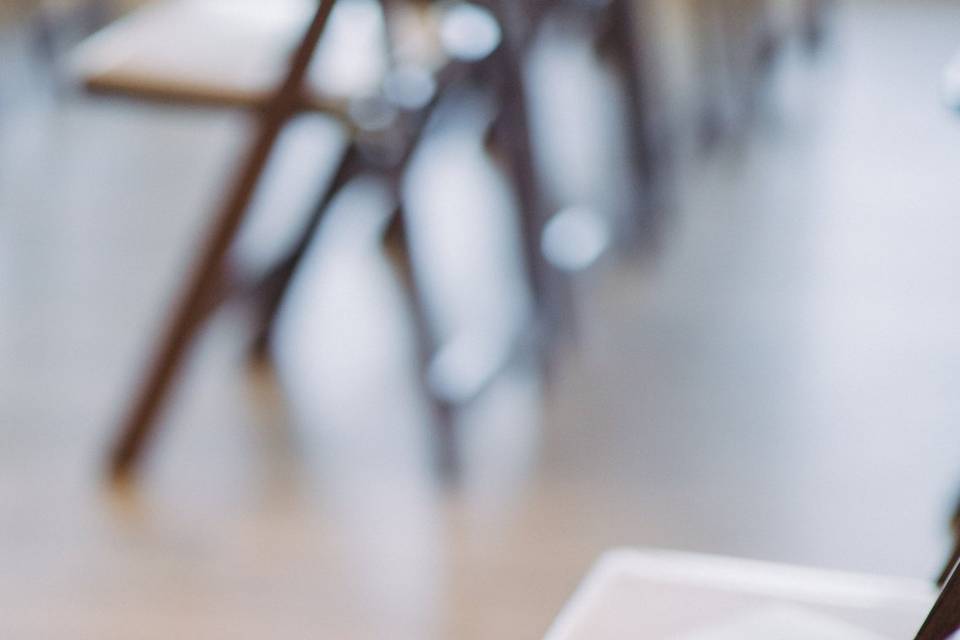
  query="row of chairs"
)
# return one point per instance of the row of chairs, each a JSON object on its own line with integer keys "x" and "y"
{"x": 430, "y": 47}
{"x": 430, "y": 50}
{"x": 690, "y": 71}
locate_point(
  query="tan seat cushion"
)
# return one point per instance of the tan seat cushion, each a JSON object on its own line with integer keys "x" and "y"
{"x": 232, "y": 52}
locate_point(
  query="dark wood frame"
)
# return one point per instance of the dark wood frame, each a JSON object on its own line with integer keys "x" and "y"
{"x": 208, "y": 271}
{"x": 211, "y": 281}
{"x": 944, "y": 618}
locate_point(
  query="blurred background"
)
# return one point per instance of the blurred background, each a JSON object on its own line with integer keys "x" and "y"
{"x": 497, "y": 286}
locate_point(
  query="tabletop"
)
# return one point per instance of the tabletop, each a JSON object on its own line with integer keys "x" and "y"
{"x": 661, "y": 594}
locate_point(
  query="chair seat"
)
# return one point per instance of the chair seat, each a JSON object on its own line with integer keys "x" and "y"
{"x": 641, "y": 595}
{"x": 232, "y": 52}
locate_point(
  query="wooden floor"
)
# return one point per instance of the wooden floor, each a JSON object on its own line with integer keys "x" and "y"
{"x": 781, "y": 383}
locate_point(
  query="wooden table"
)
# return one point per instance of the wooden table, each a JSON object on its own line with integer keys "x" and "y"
{"x": 678, "y": 596}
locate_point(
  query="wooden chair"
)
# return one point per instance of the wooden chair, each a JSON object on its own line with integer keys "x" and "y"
{"x": 693, "y": 69}
{"x": 209, "y": 53}
{"x": 206, "y": 281}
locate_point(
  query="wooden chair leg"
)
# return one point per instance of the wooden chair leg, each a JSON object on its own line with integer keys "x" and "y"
{"x": 951, "y": 563}
{"x": 631, "y": 64}
{"x": 512, "y": 137}
{"x": 273, "y": 287}
{"x": 955, "y": 554}
{"x": 139, "y": 424}
{"x": 944, "y": 619}
{"x": 397, "y": 249}
{"x": 552, "y": 299}
{"x": 814, "y": 22}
